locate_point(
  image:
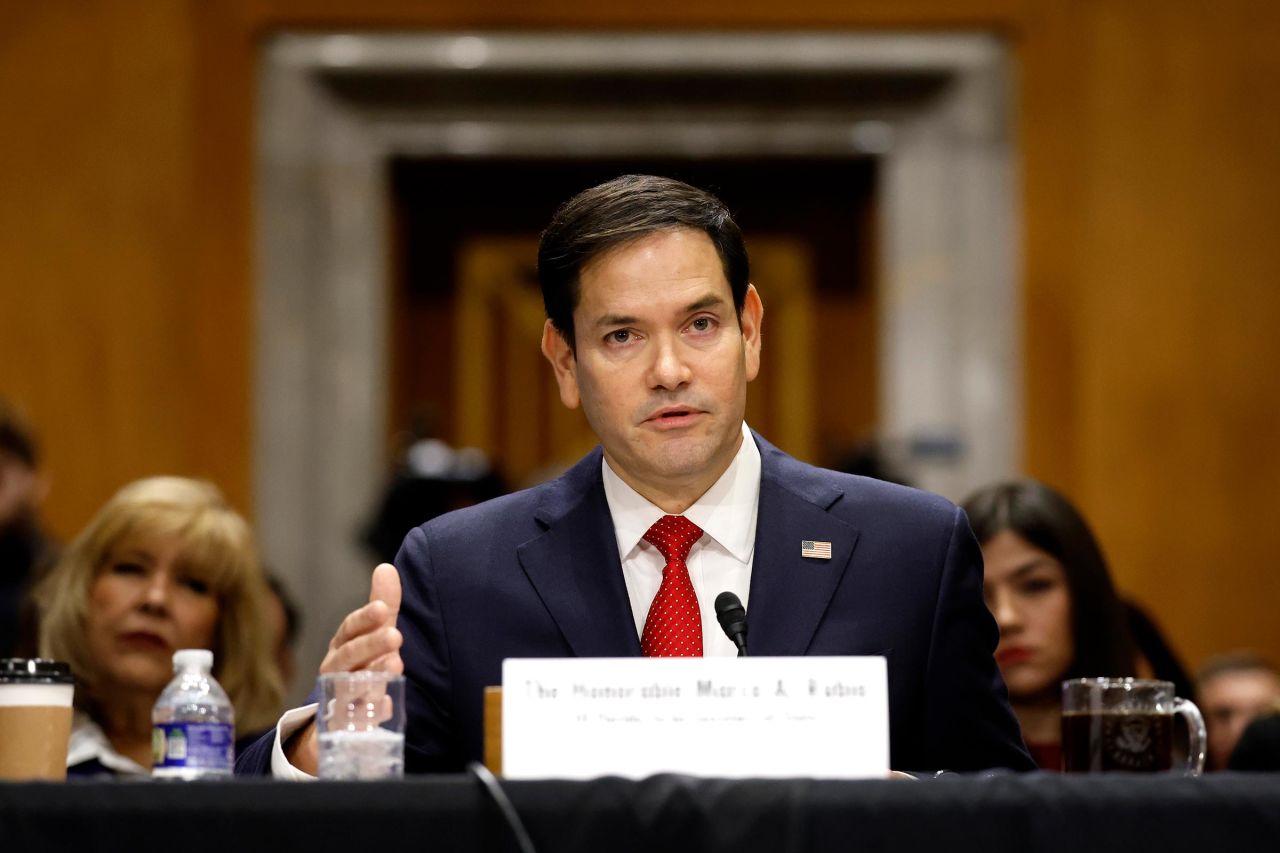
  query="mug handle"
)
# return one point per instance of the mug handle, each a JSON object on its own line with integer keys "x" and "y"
{"x": 1195, "y": 734}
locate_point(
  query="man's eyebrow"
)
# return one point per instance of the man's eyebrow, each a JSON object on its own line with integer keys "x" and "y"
{"x": 710, "y": 301}
{"x": 615, "y": 320}
{"x": 713, "y": 300}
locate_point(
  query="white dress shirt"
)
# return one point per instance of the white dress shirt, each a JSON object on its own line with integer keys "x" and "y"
{"x": 719, "y": 561}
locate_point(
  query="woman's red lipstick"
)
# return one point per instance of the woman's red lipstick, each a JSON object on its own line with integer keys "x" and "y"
{"x": 1015, "y": 655}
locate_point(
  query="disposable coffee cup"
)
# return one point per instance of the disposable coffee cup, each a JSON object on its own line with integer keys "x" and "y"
{"x": 35, "y": 718}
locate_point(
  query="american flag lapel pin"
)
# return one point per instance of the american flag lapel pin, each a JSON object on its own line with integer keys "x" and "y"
{"x": 817, "y": 550}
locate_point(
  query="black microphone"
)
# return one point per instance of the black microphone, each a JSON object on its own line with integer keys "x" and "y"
{"x": 732, "y": 617}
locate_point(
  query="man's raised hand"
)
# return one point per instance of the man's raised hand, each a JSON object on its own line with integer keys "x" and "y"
{"x": 368, "y": 637}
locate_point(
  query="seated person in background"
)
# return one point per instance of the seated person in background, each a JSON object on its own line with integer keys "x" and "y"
{"x": 1231, "y": 690}
{"x": 432, "y": 479}
{"x": 654, "y": 329}
{"x": 1259, "y": 748}
{"x": 166, "y": 564}
{"x": 1047, "y": 584}
{"x": 24, "y": 549}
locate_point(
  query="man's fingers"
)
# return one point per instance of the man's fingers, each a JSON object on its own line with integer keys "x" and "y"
{"x": 392, "y": 663}
{"x": 385, "y": 586}
{"x": 368, "y": 638}
{"x": 363, "y": 651}
{"x": 361, "y": 621}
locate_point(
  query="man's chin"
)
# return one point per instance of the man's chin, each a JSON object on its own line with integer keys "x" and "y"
{"x": 685, "y": 461}
{"x": 673, "y": 457}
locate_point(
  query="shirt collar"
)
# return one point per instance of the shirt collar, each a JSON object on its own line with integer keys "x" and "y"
{"x": 726, "y": 512}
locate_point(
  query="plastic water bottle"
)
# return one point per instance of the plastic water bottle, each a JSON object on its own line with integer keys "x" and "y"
{"x": 193, "y": 723}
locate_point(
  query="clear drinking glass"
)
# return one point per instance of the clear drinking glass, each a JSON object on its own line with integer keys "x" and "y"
{"x": 360, "y": 723}
{"x": 1126, "y": 724}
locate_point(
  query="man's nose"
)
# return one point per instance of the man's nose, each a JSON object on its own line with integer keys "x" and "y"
{"x": 669, "y": 368}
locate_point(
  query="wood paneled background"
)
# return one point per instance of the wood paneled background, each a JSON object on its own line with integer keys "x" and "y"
{"x": 1149, "y": 137}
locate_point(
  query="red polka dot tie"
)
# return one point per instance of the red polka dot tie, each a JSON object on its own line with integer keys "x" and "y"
{"x": 673, "y": 628}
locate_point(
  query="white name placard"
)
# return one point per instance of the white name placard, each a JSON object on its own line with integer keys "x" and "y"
{"x": 822, "y": 717}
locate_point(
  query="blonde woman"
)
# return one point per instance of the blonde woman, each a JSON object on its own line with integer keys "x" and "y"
{"x": 166, "y": 564}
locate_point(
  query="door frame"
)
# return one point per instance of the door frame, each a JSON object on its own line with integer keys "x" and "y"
{"x": 328, "y": 123}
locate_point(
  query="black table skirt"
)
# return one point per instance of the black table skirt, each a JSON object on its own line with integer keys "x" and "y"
{"x": 664, "y": 814}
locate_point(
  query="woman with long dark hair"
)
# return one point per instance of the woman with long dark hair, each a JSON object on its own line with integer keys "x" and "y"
{"x": 1047, "y": 584}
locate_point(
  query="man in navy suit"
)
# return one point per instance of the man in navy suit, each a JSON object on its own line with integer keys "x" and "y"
{"x": 654, "y": 330}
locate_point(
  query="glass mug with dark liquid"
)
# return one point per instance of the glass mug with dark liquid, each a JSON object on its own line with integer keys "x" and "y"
{"x": 1126, "y": 724}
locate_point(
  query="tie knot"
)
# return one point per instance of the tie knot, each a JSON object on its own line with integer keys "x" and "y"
{"x": 673, "y": 536}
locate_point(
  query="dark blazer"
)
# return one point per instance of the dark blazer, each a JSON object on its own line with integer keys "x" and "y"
{"x": 537, "y": 574}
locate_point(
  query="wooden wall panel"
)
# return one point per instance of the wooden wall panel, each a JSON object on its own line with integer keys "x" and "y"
{"x": 639, "y": 14}
{"x": 95, "y": 338}
{"x": 1176, "y": 305}
{"x": 1149, "y": 140}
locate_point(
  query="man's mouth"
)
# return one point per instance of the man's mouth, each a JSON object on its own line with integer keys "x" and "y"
{"x": 673, "y": 416}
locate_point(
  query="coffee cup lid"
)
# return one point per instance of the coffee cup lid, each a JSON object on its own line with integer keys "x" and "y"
{"x": 34, "y": 671}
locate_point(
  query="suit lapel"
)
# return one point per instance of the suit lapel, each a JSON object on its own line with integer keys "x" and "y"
{"x": 575, "y": 569}
{"x": 790, "y": 593}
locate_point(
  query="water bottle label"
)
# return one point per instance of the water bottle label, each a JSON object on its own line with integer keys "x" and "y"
{"x": 200, "y": 746}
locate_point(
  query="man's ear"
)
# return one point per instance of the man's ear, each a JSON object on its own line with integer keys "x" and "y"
{"x": 563, "y": 363}
{"x": 752, "y": 317}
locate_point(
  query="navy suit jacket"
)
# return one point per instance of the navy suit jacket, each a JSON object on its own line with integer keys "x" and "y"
{"x": 537, "y": 574}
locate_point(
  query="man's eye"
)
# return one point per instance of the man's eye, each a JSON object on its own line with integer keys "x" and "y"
{"x": 619, "y": 337}
{"x": 702, "y": 324}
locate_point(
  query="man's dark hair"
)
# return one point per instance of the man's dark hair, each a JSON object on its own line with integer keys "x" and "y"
{"x": 1047, "y": 520}
{"x": 620, "y": 211}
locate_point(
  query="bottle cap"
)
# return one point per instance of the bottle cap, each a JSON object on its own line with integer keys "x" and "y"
{"x": 192, "y": 659}
{"x": 34, "y": 671}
